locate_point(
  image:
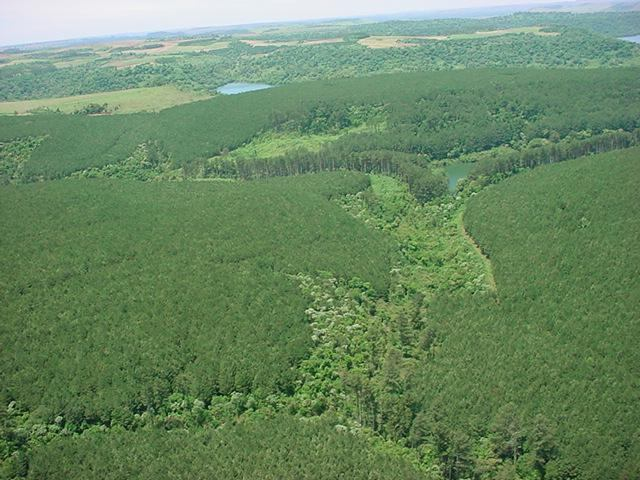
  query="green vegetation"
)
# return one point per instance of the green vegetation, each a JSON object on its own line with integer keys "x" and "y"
{"x": 613, "y": 24}
{"x": 198, "y": 42}
{"x": 422, "y": 182}
{"x": 278, "y": 448}
{"x": 277, "y": 143}
{"x": 127, "y": 265}
{"x": 148, "y": 162}
{"x": 558, "y": 338}
{"x": 498, "y": 163}
{"x": 171, "y": 309}
{"x": 13, "y": 155}
{"x": 405, "y": 367}
{"x": 298, "y": 54}
{"x": 436, "y": 115}
{"x": 274, "y": 144}
{"x": 125, "y": 101}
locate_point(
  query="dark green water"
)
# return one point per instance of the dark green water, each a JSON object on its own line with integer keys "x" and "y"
{"x": 455, "y": 172}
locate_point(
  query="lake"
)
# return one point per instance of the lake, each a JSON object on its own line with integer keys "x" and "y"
{"x": 455, "y": 172}
{"x": 634, "y": 39}
{"x": 236, "y": 88}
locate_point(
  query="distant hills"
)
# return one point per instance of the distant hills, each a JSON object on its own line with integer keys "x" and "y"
{"x": 476, "y": 12}
{"x": 589, "y": 7}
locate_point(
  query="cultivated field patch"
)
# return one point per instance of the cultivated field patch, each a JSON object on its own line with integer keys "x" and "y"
{"x": 291, "y": 43}
{"x": 121, "y": 101}
{"x": 401, "y": 41}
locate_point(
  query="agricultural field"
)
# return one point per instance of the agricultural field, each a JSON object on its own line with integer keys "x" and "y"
{"x": 411, "y": 254}
{"x": 151, "y": 99}
{"x": 291, "y": 43}
{"x": 169, "y": 47}
{"x": 396, "y": 41}
{"x": 296, "y": 53}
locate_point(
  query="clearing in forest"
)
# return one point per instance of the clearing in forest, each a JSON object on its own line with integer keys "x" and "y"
{"x": 291, "y": 43}
{"x": 401, "y": 41}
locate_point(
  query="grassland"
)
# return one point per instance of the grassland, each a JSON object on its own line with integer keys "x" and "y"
{"x": 150, "y": 99}
{"x": 277, "y": 143}
{"x": 291, "y": 43}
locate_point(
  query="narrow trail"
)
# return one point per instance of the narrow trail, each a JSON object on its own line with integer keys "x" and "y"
{"x": 488, "y": 267}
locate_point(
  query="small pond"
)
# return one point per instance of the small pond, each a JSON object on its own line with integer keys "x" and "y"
{"x": 634, "y": 39}
{"x": 455, "y": 172}
{"x": 236, "y": 88}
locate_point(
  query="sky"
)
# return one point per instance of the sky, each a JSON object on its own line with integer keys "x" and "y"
{"x": 25, "y": 21}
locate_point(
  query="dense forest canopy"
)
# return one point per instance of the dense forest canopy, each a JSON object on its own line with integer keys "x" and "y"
{"x": 414, "y": 257}
{"x": 558, "y": 338}
{"x": 280, "y": 448}
{"x": 435, "y": 114}
{"x": 163, "y": 282}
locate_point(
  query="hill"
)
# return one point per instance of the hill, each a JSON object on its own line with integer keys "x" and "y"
{"x": 142, "y": 290}
{"x": 556, "y": 344}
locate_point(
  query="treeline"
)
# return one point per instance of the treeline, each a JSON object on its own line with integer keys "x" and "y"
{"x": 439, "y": 115}
{"x": 499, "y": 163}
{"x": 614, "y": 24}
{"x": 423, "y": 183}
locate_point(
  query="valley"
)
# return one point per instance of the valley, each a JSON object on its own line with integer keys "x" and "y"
{"x": 347, "y": 249}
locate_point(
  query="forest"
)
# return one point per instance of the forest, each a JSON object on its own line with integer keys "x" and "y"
{"x": 237, "y": 286}
{"x": 557, "y": 338}
{"x": 430, "y": 114}
{"x": 287, "y": 283}
{"x": 278, "y": 57}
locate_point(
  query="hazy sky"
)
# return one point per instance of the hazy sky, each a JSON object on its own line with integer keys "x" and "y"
{"x": 23, "y": 21}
